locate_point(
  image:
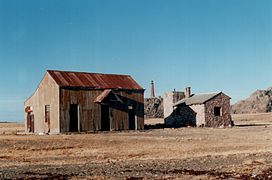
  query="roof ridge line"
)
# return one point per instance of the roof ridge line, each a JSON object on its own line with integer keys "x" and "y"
{"x": 52, "y": 70}
{"x": 95, "y": 80}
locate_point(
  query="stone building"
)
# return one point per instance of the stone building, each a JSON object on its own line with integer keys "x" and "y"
{"x": 206, "y": 110}
{"x": 169, "y": 99}
{"x": 67, "y": 101}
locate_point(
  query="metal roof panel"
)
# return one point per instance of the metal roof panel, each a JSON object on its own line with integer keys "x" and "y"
{"x": 197, "y": 99}
{"x": 94, "y": 80}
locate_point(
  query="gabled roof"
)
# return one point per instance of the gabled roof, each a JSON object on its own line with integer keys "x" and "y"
{"x": 94, "y": 80}
{"x": 197, "y": 99}
{"x": 101, "y": 97}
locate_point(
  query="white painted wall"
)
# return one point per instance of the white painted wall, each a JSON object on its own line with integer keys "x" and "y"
{"x": 200, "y": 113}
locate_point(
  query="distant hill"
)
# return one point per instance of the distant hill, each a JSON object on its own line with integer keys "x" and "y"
{"x": 153, "y": 107}
{"x": 259, "y": 102}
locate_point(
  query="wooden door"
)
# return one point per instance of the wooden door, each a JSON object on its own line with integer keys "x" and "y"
{"x": 30, "y": 122}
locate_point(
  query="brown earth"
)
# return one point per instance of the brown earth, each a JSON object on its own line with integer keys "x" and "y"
{"x": 11, "y": 128}
{"x": 241, "y": 152}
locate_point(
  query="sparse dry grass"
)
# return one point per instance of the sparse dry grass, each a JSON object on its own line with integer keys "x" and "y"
{"x": 239, "y": 119}
{"x": 153, "y": 121}
{"x": 229, "y": 149}
{"x": 11, "y": 128}
{"x": 251, "y": 119}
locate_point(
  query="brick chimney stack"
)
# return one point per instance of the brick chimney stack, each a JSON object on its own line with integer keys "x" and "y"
{"x": 187, "y": 92}
{"x": 152, "y": 91}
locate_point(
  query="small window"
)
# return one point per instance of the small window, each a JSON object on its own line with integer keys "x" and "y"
{"x": 217, "y": 111}
{"x": 47, "y": 113}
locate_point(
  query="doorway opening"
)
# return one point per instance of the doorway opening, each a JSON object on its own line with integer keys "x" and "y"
{"x": 131, "y": 118}
{"x": 47, "y": 117}
{"x": 29, "y": 119}
{"x": 30, "y": 122}
{"x": 73, "y": 118}
{"x": 105, "y": 117}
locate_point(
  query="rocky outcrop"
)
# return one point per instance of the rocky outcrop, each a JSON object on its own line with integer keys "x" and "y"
{"x": 153, "y": 107}
{"x": 259, "y": 102}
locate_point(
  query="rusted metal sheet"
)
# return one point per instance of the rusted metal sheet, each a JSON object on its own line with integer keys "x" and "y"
{"x": 108, "y": 96}
{"x": 47, "y": 94}
{"x": 94, "y": 80}
{"x": 28, "y": 109}
{"x": 90, "y": 112}
{"x": 62, "y": 90}
{"x": 102, "y": 96}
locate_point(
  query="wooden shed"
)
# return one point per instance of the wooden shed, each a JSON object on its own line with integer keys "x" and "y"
{"x": 80, "y": 101}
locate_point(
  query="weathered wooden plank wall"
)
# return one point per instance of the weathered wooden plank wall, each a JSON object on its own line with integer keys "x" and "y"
{"x": 90, "y": 112}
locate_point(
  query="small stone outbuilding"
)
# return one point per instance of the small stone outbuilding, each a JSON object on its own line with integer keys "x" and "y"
{"x": 201, "y": 110}
{"x": 67, "y": 101}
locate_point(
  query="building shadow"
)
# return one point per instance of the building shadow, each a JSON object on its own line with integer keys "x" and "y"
{"x": 182, "y": 116}
{"x": 154, "y": 126}
{"x": 249, "y": 125}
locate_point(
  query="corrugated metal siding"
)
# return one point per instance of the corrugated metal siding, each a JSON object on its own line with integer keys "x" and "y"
{"x": 102, "y": 96}
{"x": 94, "y": 80}
{"x": 90, "y": 112}
{"x": 47, "y": 93}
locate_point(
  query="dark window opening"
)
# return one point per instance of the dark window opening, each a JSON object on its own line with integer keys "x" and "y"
{"x": 47, "y": 113}
{"x": 217, "y": 111}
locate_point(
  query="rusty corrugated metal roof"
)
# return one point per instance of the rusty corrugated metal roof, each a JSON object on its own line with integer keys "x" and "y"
{"x": 94, "y": 80}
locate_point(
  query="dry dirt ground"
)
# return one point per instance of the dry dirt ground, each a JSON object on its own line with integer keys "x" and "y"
{"x": 241, "y": 152}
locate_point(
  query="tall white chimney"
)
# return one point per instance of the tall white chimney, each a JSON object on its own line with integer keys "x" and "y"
{"x": 152, "y": 90}
{"x": 187, "y": 92}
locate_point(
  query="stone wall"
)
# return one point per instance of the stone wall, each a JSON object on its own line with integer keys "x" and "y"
{"x": 202, "y": 114}
{"x": 174, "y": 119}
{"x": 187, "y": 116}
{"x": 168, "y": 101}
{"x": 224, "y": 119}
{"x": 153, "y": 107}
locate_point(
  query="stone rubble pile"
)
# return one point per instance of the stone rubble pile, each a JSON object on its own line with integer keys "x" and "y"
{"x": 153, "y": 107}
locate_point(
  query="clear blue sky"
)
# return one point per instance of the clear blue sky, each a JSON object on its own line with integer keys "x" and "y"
{"x": 210, "y": 45}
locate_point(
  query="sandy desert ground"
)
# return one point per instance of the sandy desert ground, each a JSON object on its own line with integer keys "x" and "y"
{"x": 241, "y": 152}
